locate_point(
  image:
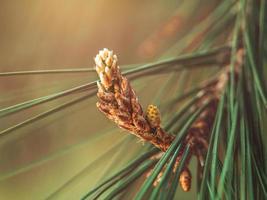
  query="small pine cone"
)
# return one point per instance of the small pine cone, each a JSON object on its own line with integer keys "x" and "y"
{"x": 185, "y": 179}
{"x": 153, "y": 116}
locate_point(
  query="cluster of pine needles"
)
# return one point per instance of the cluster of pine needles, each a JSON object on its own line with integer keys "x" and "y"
{"x": 226, "y": 135}
{"x": 222, "y": 123}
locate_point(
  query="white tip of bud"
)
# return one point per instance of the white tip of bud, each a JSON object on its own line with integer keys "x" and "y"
{"x": 106, "y": 66}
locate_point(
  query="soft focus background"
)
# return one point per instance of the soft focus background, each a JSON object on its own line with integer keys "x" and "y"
{"x": 41, "y": 159}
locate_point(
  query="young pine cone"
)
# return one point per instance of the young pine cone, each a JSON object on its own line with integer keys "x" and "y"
{"x": 185, "y": 179}
{"x": 118, "y": 101}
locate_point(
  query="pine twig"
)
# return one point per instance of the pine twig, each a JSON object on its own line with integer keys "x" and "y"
{"x": 119, "y": 102}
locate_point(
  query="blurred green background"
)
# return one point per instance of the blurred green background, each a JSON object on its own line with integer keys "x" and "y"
{"x": 39, "y": 160}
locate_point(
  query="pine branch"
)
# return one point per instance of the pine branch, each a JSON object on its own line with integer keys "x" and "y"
{"x": 118, "y": 101}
